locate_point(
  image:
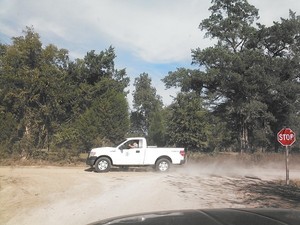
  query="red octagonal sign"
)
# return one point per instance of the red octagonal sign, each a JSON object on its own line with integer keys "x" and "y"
{"x": 286, "y": 137}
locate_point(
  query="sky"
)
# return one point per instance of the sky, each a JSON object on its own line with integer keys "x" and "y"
{"x": 151, "y": 36}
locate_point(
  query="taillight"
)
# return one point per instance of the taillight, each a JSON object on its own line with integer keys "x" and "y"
{"x": 182, "y": 152}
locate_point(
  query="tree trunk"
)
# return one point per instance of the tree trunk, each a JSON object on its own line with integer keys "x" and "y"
{"x": 244, "y": 138}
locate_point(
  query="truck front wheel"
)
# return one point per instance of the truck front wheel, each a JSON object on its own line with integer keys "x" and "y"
{"x": 162, "y": 165}
{"x": 103, "y": 164}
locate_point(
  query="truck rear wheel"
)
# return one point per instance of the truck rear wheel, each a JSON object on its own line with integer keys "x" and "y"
{"x": 102, "y": 165}
{"x": 163, "y": 165}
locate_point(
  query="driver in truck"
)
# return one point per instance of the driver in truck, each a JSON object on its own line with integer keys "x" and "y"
{"x": 134, "y": 144}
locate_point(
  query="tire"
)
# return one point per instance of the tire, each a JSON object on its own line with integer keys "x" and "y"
{"x": 163, "y": 165}
{"x": 102, "y": 165}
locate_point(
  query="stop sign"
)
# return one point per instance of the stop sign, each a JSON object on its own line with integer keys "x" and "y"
{"x": 286, "y": 137}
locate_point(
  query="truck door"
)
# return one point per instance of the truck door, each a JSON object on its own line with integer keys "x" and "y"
{"x": 132, "y": 153}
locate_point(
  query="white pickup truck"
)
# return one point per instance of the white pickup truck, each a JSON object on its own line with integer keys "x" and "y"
{"x": 135, "y": 152}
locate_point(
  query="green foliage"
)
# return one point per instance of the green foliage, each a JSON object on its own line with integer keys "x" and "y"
{"x": 146, "y": 118}
{"x": 250, "y": 79}
{"x": 100, "y": 119}
{"x": 188, "y": 123}
{"x": 157, "y": 129}
{"x": 8, "y": 134}
{"x": 100, "y": 109}
{"x": 48, "y": 101}
{"x": 8, "y": 125}
{"x": 230, "y": 22}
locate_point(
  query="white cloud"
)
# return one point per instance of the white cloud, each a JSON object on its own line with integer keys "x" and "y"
{"x": 155, "y": 31}
{"x": 156, "y": 34}
{"x": 273, "y": 10}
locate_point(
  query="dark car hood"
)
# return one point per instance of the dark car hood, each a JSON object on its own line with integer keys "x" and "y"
{"x": 211, "y": 217}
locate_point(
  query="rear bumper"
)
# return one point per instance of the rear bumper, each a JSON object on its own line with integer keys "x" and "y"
{"x": 91, "y": 160}
{"x": 182, "y": 162}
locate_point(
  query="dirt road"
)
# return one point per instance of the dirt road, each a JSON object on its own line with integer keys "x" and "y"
{"x": 61, "y": 195}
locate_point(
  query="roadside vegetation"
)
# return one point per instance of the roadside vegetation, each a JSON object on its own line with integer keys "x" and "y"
{"x": 244, "y": 89}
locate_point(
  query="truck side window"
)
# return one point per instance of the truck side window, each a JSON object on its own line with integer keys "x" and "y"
{"x": 134, "y": 144}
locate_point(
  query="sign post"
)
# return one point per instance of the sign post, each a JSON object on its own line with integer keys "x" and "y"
{"x": 286, "y": 137}
{"x": 287, "y": 170}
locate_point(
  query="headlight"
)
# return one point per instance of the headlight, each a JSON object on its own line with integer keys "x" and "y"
{"x": 92, "y": 153}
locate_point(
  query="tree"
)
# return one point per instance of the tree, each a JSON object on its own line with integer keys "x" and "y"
{"x": 31, "y": 78}
{"x": 188, "y": 122}
{"x": 281, "y": 44}
{"x": 230, "y": 22}
{"x": 8, "y": 134}
{"x": 98, "y": 109}
{"x": 49, "y": 100}
{"x": 244, "y": 78}
{"x": 106, "y": 119}
{"x": 147, "y": 105}
{"x": 157, "y": 128}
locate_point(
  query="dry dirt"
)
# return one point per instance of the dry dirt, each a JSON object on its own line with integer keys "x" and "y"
{"x": 64, "y": 195}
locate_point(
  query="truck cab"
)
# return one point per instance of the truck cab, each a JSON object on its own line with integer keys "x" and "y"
{"x": 131, "y": 152}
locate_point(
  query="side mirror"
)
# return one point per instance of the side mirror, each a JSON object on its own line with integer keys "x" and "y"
{"x": 121, "y": 147}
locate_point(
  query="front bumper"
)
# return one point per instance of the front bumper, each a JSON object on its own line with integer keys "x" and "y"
{"x": 91, "y": 160}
